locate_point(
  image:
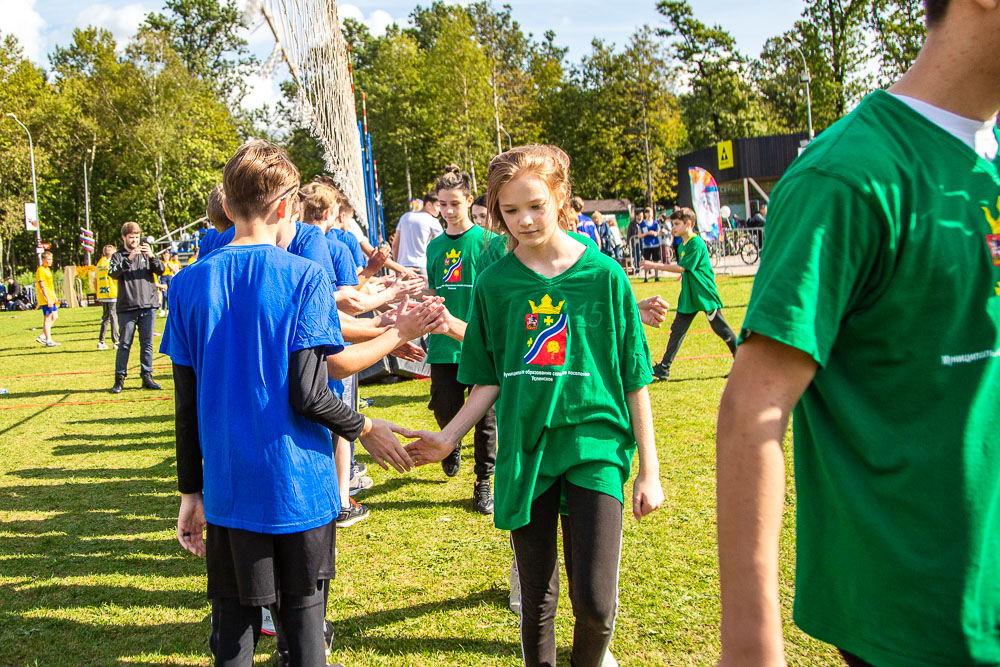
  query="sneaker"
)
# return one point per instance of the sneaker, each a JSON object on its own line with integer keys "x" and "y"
{"x": 266, "y": 622}
{"x": 52, "y": 343}
{"x": 360, "y": 483}
{"x": 482, "y": 497}
{"x": 114, "y": 345}
{"x": 661, "y": 372}
{"x": 160, "y": 313}
{"x": 40, "y": 339}
{"x": 351, "y": 514}
{"x": 453, "y": 462}
{"x": 514, "y": 601}
{"x": 358, "y": 468}
{"x": 328, "y": 636}
{"x": 102, "y": 346}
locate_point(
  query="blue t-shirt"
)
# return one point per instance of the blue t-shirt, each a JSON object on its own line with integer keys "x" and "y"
{"x": 650, "y": 226}
{"x": 343, "y": 263}
{"x": 308, "y": 243}
{"x": 352, "y": 244}
{"x": 236, "y": 318}
{"x": 585, "y": 225}
{"x": 212, "y": 241}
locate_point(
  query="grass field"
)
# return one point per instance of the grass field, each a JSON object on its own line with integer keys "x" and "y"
{"x": 91, "y": 572}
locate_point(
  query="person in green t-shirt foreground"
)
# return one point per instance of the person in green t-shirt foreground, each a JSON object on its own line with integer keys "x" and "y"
{"x": 454, "y": 261}
{"x": 570, "y": 411}
{"x": 698, "y": 291}
{"x": 877, "y": 320}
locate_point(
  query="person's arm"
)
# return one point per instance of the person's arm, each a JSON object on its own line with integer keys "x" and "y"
{"x": 358, "y": 330}
{"x": 410, "y": 323}
{"x": 311, "y": 398}
{"x": 647, "y": 492}
{"x": 766, "y": 381}
{"x": 395, "y": 244}
{"x": 191, "y": 517}
{"x": 119, "y": 264}
{"x": 431, "y": 447}
{"x": 155, "y": 263}
{"x": 653, "y": 311}
{"x": 660, "y": 266}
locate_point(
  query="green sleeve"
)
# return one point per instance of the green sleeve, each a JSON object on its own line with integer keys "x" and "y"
{"x": 633, "y": 349}
{"x": 433, "y": 274}
{"x": 477, "y": 364}
{"x": 824, "y": 240}
{"x": 494, "y": 247}
{"x": 694, "y": 250}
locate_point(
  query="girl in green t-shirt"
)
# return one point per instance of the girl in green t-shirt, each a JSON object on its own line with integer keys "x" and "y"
{"x": 698, "y": 291}
{"x": 555, "y": 339}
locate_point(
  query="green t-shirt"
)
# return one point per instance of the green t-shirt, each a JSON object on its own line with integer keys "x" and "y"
{"x": 698, "y": 291}
{"x": 879, "y": 266}
{"x": 564, "y": 352}
{"x": 453, "y": 264}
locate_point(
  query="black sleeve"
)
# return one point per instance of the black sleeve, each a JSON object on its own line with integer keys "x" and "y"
{"x": 156, "y": 265}
{"x": 189, "y": 468}
{"x": 311, "y": 397}
{"x": 119, "y": 264}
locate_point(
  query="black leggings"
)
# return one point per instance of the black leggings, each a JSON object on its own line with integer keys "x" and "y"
{"x": 592, "y": 534}
{"x": 236, "y": 629}
{"x": 679, "y": 329}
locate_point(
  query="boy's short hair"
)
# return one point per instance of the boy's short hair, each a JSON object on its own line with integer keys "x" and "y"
{"x": 257, "y": 175}
{"x": 480, "y": 200}
{"x": 684, "y": 214}
{"x": 649, "y": 212}
{"x": 319, "y": 198}
{"x": 215, "y": 211}
{"x": 47, "y": 253}
{"x": 131, "y": 228}
{"x": 104, "y": 250}
{"x": 430, "y": 197}
{"x": 576, "y": 203}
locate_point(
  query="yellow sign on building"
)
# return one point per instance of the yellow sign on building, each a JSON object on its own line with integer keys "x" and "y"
{"x": 726, "y": 160}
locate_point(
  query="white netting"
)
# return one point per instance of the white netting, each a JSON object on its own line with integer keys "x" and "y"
{"x": 310, "y": 41}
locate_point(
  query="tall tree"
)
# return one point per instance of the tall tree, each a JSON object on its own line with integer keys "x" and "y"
{"x": 840, "y": 33}
{"x": 720, "y": 104}
{"x": 899, "y": 30}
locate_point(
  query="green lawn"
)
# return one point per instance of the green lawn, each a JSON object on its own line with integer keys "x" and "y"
{"x": 91, "y": 573}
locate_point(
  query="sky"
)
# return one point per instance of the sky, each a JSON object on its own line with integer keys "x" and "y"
{"x": 40, "y": 25}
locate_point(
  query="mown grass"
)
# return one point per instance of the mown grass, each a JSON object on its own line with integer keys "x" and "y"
{"x": 91, "y": 573}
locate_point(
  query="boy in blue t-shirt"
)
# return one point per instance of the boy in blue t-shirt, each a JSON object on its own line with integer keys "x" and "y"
{"x": 254, "y": 459}
{"x": 649, "y": 232}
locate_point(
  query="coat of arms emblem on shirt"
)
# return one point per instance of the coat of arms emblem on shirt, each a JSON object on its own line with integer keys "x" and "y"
{"x": 453, "y": 266}
{"x": 548, "y": 348}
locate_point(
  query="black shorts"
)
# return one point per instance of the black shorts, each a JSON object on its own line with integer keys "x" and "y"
{"x": 255, "y": 566}
{"x": 652, "y": 254}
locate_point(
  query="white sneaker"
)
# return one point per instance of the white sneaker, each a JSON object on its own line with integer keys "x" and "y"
{"x": 609, "y": 660}
{"x": 360, "y": 483}
{"x": 515, "y": 589}
{"x": 102, "y": 346}
{"x": 266, "y": 623}
{"x": 52, "y": 343}
{"x": 160, "y": 314}
{"x": 40, "y": 339}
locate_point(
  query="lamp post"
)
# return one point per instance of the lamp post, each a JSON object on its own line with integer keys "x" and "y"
{"x": 805, "y": 78}
{"x": 34, "y": 190}
{"x": 510, "y": 144}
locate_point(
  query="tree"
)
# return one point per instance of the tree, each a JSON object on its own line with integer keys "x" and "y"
{"x": 839, "y": 28}
{"x": 720, "y": 105}
{"x": 899, "y": 28}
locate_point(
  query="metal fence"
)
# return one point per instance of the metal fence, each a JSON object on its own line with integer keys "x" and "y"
{"x": 735, "y": 249}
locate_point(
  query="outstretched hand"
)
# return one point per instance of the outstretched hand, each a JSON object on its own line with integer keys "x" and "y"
{"x": 415, "y": 320}
{"x": 191, "y": 523}
{"x": 429, "y": 447}
{"x": 409, "y": 351}
{"x": 653, "y": 311}
{"x": 385, "y": 447}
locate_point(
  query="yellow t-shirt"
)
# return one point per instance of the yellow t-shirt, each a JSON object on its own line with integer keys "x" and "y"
{"x": 107, "y": 287}
{"x": 43, "y": 276}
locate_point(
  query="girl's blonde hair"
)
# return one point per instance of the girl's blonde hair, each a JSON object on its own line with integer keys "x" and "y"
{"x": 550, "y": 163}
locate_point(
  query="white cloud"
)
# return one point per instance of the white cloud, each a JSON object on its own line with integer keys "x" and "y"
{"x": 122, "y": 21}
{"x": 377, "y": 22}
{"x": 19, "y": 18}
{"x": 261, "y": 90}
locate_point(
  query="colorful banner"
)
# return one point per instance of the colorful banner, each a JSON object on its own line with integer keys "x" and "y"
{"x": 705, "y": 195}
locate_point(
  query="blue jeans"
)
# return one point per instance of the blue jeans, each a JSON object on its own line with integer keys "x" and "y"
{"x": 128, "y": 322}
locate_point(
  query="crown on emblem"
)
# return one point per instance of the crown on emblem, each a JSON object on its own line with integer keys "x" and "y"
{"x": 454, "y": 254}
{"x": 546, "y": 306}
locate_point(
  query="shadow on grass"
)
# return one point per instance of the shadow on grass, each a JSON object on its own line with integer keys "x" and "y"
{"x": 74, "y": 450}
{"x": 394, "y": 483}
{"x": 19, "y": 351}
{"x": 33, "y": 416}
{"x": 352, "y": 632}
{"x": 125, "y": 421}
{"x": 389, "y": 401}
{"x": 102, "y": 437}
{"x": 402, "y": 505}
{"x": 700, "y": 378}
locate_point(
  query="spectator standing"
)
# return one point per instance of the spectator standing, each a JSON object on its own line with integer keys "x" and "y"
{"x": 604, "y": 242}
{"x": 584, "y": 223}
{"x": 414, "y": 231}
{"x": 757, "y": 224}
{"x": 649, "y": 232}
{"x": 134, "y": 267}
{"x": 631, "y": 236}
{"x": 107, "y": 296}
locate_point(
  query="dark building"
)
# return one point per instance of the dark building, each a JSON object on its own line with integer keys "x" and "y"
{"x": 746, "y": 170}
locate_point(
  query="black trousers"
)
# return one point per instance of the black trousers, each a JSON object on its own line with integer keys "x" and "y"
{"x": 592, "y": 535}
{"x": 679, "y": 329}
{"x": 447, "y": 398}
{"x": 299, "y": 619}
{"x": 143, "y": 320}
{"x": 109, "y": 316}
